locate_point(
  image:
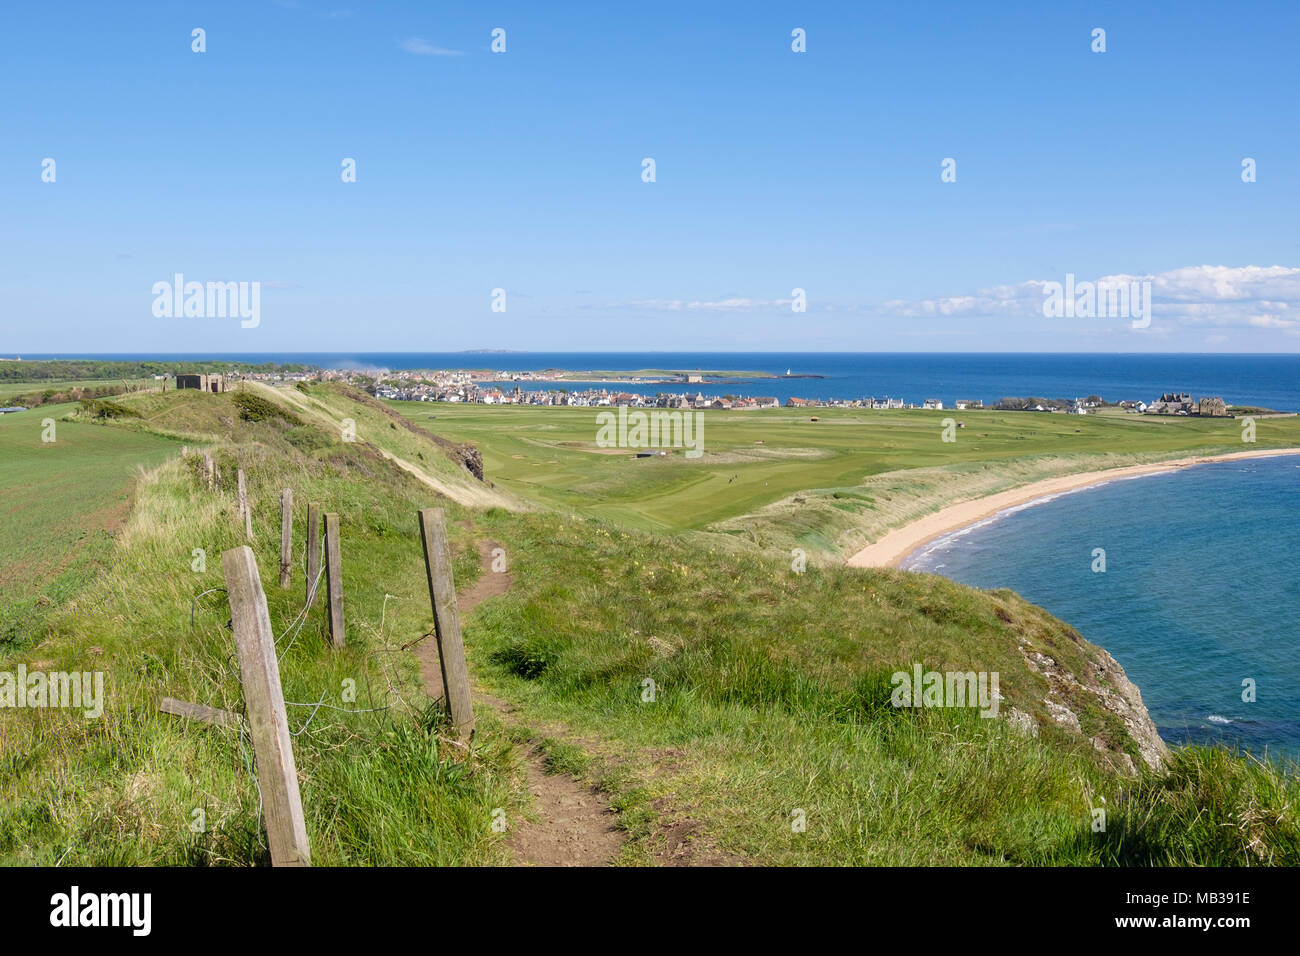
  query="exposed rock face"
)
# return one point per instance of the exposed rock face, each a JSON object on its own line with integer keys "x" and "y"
{"x": 467, "y": 454}
{"x": 1122, "y": 697}
{"x": 472, "y": 459}
{"x": 1108, "y": 686}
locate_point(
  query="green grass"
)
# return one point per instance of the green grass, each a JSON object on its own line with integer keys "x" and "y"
{"x": 772, "y": 695}
{"x": 61, "y": 502}
{"x": 778, "y": 480}
{"x": 771, "y": 688}
{"x": 378, "y": 788}
{"x": 12, "y": 392}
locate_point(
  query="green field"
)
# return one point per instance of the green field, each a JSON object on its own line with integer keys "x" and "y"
{"x": 779, "y": 479}
{"x": 772, "y": 687}
{"x": 62, "y": 503}
{"x": 9, "y": 391}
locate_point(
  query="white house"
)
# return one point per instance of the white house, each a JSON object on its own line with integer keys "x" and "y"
{"x": 932, "y": 403}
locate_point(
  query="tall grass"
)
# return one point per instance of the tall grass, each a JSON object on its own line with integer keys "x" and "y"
{"x": 772, "y": 698}
{"x": 381, "y": 784}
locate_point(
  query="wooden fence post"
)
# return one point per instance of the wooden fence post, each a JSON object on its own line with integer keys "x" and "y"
{"x": 286, "y": 535}
{"x": 207, "y": 468}
{"x": 259, "y": 672}
{"x": 313, "y": 551}
{"x": 334, "y": 579}
{"x": 200, "y": 712}
{"x": 446, "y": 620}
{"x": 244, "y": 510}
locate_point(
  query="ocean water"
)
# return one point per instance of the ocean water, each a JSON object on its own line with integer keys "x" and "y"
{"x": 1199, "y": 594}
{"x": 1269, "y": 381}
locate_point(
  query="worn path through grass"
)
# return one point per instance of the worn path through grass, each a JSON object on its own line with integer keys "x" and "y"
{"x": 574, "y": 823}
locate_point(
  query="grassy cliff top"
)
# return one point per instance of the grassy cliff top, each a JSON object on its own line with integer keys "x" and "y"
{"x": 771, "y": 688}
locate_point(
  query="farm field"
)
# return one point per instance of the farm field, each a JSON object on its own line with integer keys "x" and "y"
{"x": 12, "y": 390}
{"x": 855, "y": 471}
{"x": 60, "y": 503}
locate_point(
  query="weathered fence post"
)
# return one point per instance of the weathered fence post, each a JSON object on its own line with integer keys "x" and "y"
{"x": 244, "y": 511}
{"x": 208, "y": 469}
{"x": 446, "y": 619}
{"x": 259, "y": 672}
{"x": 200, "y": 712}
{"x": 334, "y": 579}
{"x": 313, "y": 551}
{"x": 286, "y": 535}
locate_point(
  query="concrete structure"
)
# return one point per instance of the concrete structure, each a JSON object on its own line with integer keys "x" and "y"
{"x": 205, "y": 383}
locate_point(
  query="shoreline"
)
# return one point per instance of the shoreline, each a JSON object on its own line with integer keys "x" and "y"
{"x": 896, "y": 545}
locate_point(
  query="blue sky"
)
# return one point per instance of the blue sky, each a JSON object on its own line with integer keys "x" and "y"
{"x": 775, "y": 170}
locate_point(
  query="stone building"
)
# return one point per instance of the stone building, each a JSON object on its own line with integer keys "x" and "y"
{"x": 1172, "y": 403}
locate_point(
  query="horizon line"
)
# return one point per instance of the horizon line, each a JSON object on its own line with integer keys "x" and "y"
{"x": 72, "y": 356}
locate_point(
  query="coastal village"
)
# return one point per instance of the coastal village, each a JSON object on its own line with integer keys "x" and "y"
{"x": 489, "y": 387}
{"x": 464, "y": 388}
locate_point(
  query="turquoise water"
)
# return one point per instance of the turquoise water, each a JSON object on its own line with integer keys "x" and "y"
{"x": 1199, "y": 593}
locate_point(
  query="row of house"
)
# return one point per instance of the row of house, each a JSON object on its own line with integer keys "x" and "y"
{"x": 1062, "y": 406}
{"x": 1180, "y": 403}
{"x": 475, "y": 393}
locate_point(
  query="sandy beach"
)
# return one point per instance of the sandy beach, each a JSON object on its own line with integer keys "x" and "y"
{"x": 896, "y": 545}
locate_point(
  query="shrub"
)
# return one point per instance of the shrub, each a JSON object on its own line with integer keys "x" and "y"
{"x": 254, "y": 408}
{"x": 103, "y": 408}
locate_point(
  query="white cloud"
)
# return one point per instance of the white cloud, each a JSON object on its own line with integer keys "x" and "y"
{"x": 697, "y": 305}
{"x": 1220, "y": 296}
{"x": 425, "y": 48}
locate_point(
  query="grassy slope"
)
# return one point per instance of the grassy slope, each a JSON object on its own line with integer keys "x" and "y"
{"x": 778, "y": 480}
{"x": 770, "y": 693}
{"x": 377, "y": 787}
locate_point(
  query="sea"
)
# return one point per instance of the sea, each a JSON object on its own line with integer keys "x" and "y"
{"x": 1199, "y": 595}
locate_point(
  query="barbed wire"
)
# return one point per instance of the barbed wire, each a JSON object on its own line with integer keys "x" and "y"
{"x": 292, "y": 632}
{"x": 194, "y": 602}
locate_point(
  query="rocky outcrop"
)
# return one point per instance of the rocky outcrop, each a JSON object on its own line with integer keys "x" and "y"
{"x": 1121, "y": 697}
{"x": 1103, "y": 686}
{"x": 472, "y": 459}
